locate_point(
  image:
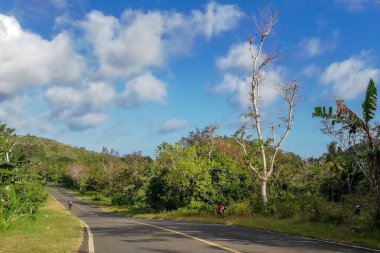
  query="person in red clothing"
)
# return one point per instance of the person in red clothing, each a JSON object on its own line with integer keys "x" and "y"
{"x": 220, "y": 209}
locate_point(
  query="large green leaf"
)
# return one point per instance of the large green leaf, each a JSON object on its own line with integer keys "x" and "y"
{"x": 369, "y": 104}
{"x": 321, "y": 112}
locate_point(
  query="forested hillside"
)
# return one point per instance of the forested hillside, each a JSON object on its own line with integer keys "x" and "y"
{"x": 200, "y": 171}
{"x": 191, "y": 177}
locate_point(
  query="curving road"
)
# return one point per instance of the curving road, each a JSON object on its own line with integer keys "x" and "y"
{"x": 113, "y": 234}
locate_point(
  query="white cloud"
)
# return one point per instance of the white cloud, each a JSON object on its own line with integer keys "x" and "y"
{"x": 140, "y": 40}
{"x": 314, "y": 46}
{"x": 237, "y": 82}
{"x": 87, "y": 120}
{"x": 353, "y": 5}
{"x": 217, "y": 18}
{"x": 60, "y": 4}
{"x": 311, "y": 70}
{"x": 238, "y": 57}
{"x": 11, "y": 111}
{"x": 144, "y": 88}
{"x": 172, "y": 125}
{"x": 126, "y": 49}
{"x": 30, "y": 61}
{"x": 348, "y": 78}
{"x": 239, "y": 88}
{"x": 81, "y": 108}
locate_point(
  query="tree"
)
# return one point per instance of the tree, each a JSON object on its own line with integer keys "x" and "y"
{"x": 6, "y": 143}
{"x": 181, "y": 176}
{"x": 21, "y": 194}
{"x": 77, "y": 172}
{"x": 352, "y": 125}
{"x": 333, "y": 163}
{"x": 268, "y": 147}
{"x": 202, "y": 138}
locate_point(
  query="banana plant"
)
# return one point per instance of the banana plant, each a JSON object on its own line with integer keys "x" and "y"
{"x": 345, "y": 115}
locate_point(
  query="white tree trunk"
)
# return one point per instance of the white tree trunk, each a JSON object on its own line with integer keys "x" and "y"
{"x": 264, "y": 195}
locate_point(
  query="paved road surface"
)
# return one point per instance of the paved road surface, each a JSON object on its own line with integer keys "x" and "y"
{"x": 114, "y": 234}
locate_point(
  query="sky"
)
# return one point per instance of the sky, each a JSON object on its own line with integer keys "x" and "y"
{"x": 130, "y": 75}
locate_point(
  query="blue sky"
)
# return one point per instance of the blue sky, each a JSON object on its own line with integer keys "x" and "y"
{"x": 129, "y": 75}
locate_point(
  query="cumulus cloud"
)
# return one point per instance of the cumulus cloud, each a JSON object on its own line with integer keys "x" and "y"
{"x": 348, "y": 78}
{"x": 216, "y": 19}
{"x": 87, "y": 120}
{"x": 142, "y": 40}
{"x": 237, "y": 84}
{"x": 30, "y": 61}
{"x": 172, "y": 125}
{"x": 238, "y": 87}
{"x": 125, "y": 49}
{"x": 311, "y": 70}
{"x": 81, "y": 108}
{"x": 238, "y": 57}
{"x": 11, "y": 110}
{"x": 314, "y": 46}
{"x": 144, "y": 88}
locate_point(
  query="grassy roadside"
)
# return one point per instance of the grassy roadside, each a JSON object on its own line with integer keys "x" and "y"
{"x": 53, "y": 230}
{"x": 292, "y": 226}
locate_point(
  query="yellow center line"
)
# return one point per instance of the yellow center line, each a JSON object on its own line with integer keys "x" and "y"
{"x": 189, "y": 236}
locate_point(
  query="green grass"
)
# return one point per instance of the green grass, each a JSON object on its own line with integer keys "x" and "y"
{"x": 292, "y": 226}
{"x": 53, "y": 230}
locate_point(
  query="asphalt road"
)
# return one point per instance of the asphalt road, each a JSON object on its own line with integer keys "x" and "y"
{"x": 113, "y": 234}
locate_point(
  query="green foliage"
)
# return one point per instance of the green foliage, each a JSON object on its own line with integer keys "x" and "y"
{"x": 180, "y": 176}
{"x": 369, "y": 104}
{"x": 322, "y": 112}
{"x": 21, "y": 192}
{"x": 20, "y": 199}
{"x": 243, "y": 208}
{"x": 185, "y": 175}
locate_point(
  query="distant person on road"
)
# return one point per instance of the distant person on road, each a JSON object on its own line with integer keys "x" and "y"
{"x": 220, "y": 210}
{"x": 70, "y": 204}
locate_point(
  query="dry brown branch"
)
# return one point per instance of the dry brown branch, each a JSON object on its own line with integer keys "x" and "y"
{"x": 266, "y": 21}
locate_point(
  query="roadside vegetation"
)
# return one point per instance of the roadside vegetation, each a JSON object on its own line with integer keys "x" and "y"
{"x": 52, "y": 229}
{"x": 334, "y": 197}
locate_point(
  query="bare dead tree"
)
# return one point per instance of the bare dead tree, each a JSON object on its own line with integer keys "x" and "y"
{"x": 268, "y": 147}
{"x": 76, "y": 172}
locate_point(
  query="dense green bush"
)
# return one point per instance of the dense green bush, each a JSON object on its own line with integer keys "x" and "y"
{"x": 240, "y": 209}
{"x": 18, "y": 200}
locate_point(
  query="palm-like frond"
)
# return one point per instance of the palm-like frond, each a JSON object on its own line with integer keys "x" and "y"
{"x": 369, "y": 104}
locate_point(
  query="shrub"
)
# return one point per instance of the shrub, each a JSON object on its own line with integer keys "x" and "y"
{"x": 19, "y": 200}
{"x": 316, "y": 209}
{"x": 256, "y": 203}
{"x": 199, "y": 206}
{"x": 240, "y": 208}
{"x": 287, "y": 209}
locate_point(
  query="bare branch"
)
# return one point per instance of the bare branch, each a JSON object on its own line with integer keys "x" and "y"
{"x": 266, "y": 22}
{"x": 255, "y": 170}
{"x": 289, "y": 94}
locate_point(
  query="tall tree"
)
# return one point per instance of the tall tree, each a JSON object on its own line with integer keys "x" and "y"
{"x": 268, "y": 147}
